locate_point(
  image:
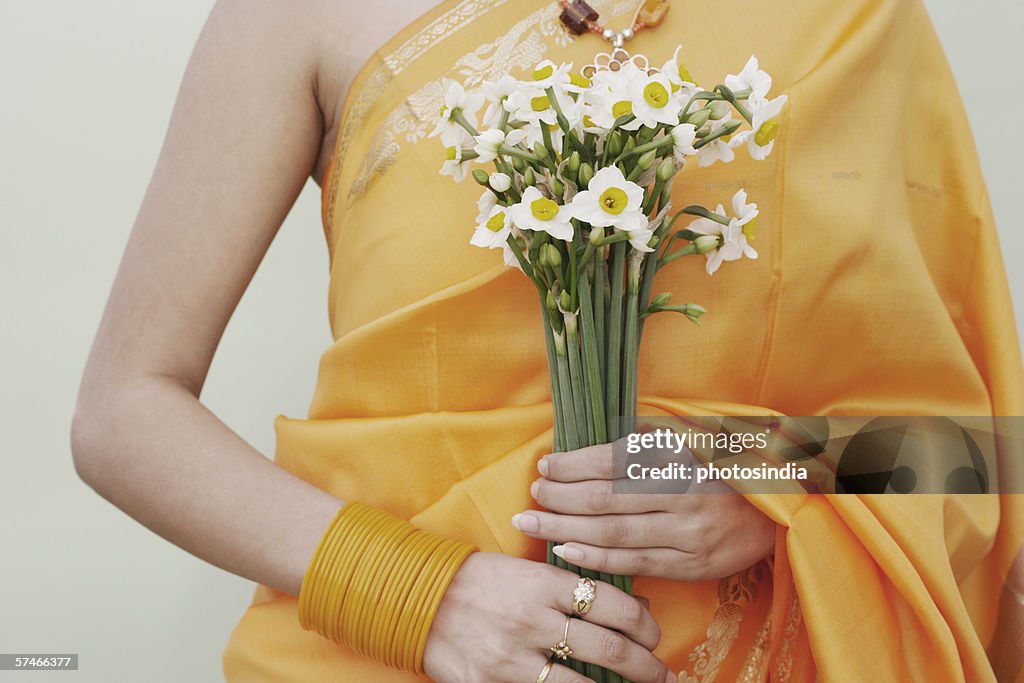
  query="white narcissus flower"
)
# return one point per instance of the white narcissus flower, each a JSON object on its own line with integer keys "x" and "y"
{"x": 765, "y": 127}
{"x": 495, "y": 93}
{"x": 653, "y": 102}
{"x": 611, "y": 201}
{"x": 750, "y": 78}
{"x": 457, "y": 99}
{"x": 745, "y": 213}
{"x": 489, "y": 142}
{"x": 683, "y": 136}
{"x": 678, "y": 74}
{"x": 494, "y": 232}
{"x": 732, "y": 238}
{"x": 609, "y": 98}
{"x": 499, "y": 182}
{"x": 720, "y": 149}
{"x": 454, "y": 165}
{"x": 531, "y": 104}
{"x": 548, "y": 74}
{"x": 487, "y": 201}
{"x": 538, "y": 213}
{"x": 638, "y": 239}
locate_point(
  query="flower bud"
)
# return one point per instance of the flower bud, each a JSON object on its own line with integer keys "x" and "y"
{"x": 699, "y": 117}
{"x": 519, "y": 164}
{"x": 614, "y": 143}
{"x": 557, "y": 187}
{"x": 706, "y": 243}
{"x": 554, "y": 257}
{"x": 480, "y": 177}
{"x": 573, "y": 167}
{"x": 530, "y": 178}
{"x": 666, "y": 195}
{"x": 662, "y": 299}
{"x": 629, "y": 145}
{"x": 564, "y": 301}
{"x": 720, "y": 109}
{"x": 694, "y": 312}
{"x": 647, "y": 160}
{"x": 666, "y": 170}
{"x": 586, "y": 174}
{"x": 550, "y": 303}
{"x": 499, "y": 182}
{"x": 597, "y": 236}
{"x": 541, "y": 151}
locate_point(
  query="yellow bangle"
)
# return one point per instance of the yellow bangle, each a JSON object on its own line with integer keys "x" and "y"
{"x": 375, "y": 583}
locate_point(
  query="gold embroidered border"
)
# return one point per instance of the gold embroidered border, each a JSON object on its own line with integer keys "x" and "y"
{"x": 392, "y": 64}
{"x": 522, "y": 46}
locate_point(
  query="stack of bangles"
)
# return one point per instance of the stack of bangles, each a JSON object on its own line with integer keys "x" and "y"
{"x": 375, "y": 583}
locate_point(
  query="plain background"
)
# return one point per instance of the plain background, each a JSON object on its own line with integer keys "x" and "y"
{"x": 87, "y": 89}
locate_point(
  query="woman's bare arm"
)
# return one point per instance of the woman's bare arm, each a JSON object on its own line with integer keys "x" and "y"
{"x": 244, "y": 136}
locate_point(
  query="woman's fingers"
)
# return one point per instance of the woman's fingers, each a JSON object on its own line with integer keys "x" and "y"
{"x": 663, "y": 562}
{"x": 592, "y": 462}
{"x": 602, "y": 646}
{"x": 597, "y": 497}
{"x": 557, "y": 673}
{"x": 648, "y": 530}
{"x": 611, "y": 608}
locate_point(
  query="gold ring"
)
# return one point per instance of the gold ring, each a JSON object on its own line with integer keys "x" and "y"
{"x": 561, "y": 649}
{"x": 583, "y": 596}
{"x": 545, "y": 671}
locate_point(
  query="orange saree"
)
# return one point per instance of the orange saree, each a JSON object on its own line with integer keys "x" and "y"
{"x": 879, "y": 290}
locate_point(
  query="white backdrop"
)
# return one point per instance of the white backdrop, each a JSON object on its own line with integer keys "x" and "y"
{"x": 87, "y": 89}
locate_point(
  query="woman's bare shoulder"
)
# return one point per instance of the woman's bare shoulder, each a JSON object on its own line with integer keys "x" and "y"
{"x": 348, "y": 32}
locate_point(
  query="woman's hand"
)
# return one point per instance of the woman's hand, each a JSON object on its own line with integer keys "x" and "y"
{"x": 500, "y": 615}
{"x": 706, "y": 533}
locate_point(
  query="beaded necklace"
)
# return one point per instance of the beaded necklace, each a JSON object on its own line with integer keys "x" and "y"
{"x": 580, "y": 18}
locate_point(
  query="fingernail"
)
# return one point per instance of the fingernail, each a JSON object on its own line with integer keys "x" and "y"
{"x": 526, "y": 522}
{"x": 542, "y": 467}
{"x": 568, "y": 553}
{"x": 534, "y": 489}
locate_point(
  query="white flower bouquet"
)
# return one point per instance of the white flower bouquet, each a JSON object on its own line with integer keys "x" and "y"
{"x": 584, "y": 163}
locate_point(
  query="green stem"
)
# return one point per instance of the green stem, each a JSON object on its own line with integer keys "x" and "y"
{"x": 598, "y": 302}
{"x": 556, "y": 397}
{"x": 579, "y": 394}
{"x": 591, "y": 362}
{"x": 631, "y": 343}
{"x": 572, "y": 439}
{"x": 615, "y": 340}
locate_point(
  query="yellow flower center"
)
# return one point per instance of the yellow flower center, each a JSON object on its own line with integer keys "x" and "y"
{"x": 748, "y": 230}
{"x": 541, "y": 74}
{"x": 540, "y": 103}
{"x": 676, "y": 88}
{"x": 684, "y": 74}
{"x": 496, "y": 222}
{"x": 452, "y": 153}
{"x": 767, "y": 133}
{"x": 579, "y": 80}
{"x": 589, "y": 122}
{"x": 613, "y": 201}
{"x": 443, "y": 110}
{"x": 656, "y": 95}
{"x": 620, "y": 109}
{"x": 552, "y": 127}
{"x": 544, "y": 209}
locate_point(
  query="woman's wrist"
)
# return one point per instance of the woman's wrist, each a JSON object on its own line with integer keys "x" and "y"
{"x": 375, "y": 582}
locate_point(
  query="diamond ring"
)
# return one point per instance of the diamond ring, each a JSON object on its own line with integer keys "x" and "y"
{"x": 583, "y": 596}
